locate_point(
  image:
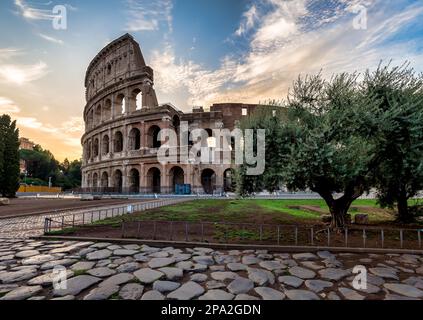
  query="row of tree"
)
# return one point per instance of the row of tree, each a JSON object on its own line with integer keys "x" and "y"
{"x": 9, "y": 157}
{"x": 41, "y": 166}
{"x": 345, "y": 136}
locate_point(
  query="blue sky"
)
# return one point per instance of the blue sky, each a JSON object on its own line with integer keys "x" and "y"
{"x": 202, "y": 51}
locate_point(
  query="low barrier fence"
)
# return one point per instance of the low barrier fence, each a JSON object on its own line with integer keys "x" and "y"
{"x": 98, "y": 214}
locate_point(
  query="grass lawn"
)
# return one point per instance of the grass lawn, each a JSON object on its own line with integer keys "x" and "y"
{"x": 254, "y": 211}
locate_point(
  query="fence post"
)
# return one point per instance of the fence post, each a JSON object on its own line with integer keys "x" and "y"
{"x": 138, "y": 229}
{"x": 328, "y": 237}
{"x": 420, "y": 238}
{"x": 186, "y": 231}
{"x": 296, "y": 235}
{"x": 63, "y": 222}
{"x": 312, "y": 236}
{"x": 364, "y": 238}
{"x": 73, "y": 220}
{"x": 279, "y": 234}
{"x": 45, "y": 225}
{"x": 402, "y": 238}
{"x": 123, "y": 229}
{"x": 83, "y": 218}
{"x": 346, "y": 237}
{"x": 154, "y": 230}
{"x": 261, "y": 232}
{"x": 382, "y": 235}
{"x": 171, "y": 230}
{"x": 202, "y": 232}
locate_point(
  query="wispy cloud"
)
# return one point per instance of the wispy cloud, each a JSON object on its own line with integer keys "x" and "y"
{"x": 33, "y": 13}
{"x": 249, "y": 19}
{"x": 292, "y": 38}
{"x": 22, "y": 74}
{"x": 7, "y": 106}
{"x": 145, "y": 15}
{"x": 51, "y": 39}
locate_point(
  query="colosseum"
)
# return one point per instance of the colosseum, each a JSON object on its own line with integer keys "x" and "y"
{"x": 122, "y": 123}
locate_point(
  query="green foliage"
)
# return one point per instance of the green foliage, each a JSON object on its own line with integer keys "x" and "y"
{"x": 9, "y": 157}
{"x": 41, "y": 164}
{"x": 399, "y": 135}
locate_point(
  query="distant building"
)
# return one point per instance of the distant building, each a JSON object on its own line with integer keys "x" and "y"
{"x": 24, "y": 144}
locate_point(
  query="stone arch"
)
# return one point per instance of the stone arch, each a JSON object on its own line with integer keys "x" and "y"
{"x": 136, "y": 100}
{"x": 120, "y": 105}
{"x": 229, "y": 180}
{"x": 104, "y": 180}
{"x": 95, "y": 180}
{"x": 154, "y": 180}
{"x": 96, "y": 147}
{"x": 89, "y": 180}
{"x": 118, "y": 142}
{"x": 90, "y": 119}
{"x": 105, "y": 145}
{"x": 134, "y": 139}
{"x": 177, "y": 177}
{"x": 208, "y": 180}
{"x": 153, "y": 137}
{"x": 97, "y": 115}
{"x": 89, "y": 150}
{"x": 107, "y": 110}
{"x": 134, "y": 181}
{"x": 118, "y": 181}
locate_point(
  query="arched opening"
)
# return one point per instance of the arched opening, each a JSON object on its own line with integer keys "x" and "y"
{"x": 117, "y": 181}
{"x": 90, "y": 119}
{"x": 104, "y": 180}
{"x": 153, "y": 137}
{"x": 109, "y": 69}
{"x": 105, "y": 147}
{"x": 176, "y": 122}
{"x": 134, "y": 139}
{"x": 176, "y": 177}
{"x": 208, "y": 180}
{"x": 97, "y": 115}
{"x": 153, "y": 180}
{"x": 96, "y": 147}
{"x": 95, "y": 180}
{"x": 107, "y": 110}
{"x": 134, "y": 181}
{"x": 120, "y": 104}
{"x": 89, "y": 150}
{"x": 137, "y": 100}
{"x": 229, "y": 180}
{"x": 89, "y": 180}
{"x": 118, "y": 142}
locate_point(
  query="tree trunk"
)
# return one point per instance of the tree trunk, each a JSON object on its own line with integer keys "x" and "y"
{"x": 339, "y": 210}
{"x": 404, "y": 214}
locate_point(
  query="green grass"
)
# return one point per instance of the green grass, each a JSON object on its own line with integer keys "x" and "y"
{"x": 250, "y": 211}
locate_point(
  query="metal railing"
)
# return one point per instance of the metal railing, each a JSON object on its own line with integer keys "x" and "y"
{"x": 95, "y": 215}
{"x": 292, "y": 235}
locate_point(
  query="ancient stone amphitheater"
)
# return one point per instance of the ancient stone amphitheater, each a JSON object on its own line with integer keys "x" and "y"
{"x": 122, "y": 123}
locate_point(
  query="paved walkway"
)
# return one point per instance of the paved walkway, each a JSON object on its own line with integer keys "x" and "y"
{"x": 98, "y": 271}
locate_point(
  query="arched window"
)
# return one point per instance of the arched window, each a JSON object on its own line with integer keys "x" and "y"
{"x": 105, "y": 147}
{"x": 120, "y": 104}
{"x": 104, "y": 180}
{"x": 107, "y": 110}
{"x": 95, "y": 148}
{"x": 153, "y": 137}
{"x": 109, "y": 69}
{"x": 118, "y": 181}
{"x": 95, "y": 180}
{"x": 89, "y": 150}
{"x": 97, "y": 115}
{"x": 153, "y": 180}
{"x": 134, "y": 139}
{"x": 134, "y": 181}
{"x": 208, "y": 180}
{"x": 118, "y": 142}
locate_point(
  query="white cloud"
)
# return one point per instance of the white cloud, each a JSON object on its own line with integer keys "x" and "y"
{"x": 51, "y": 39}
{"x": 32, "y": 13}
{"x": 248, "y": 22}
{"x": 144, "y": 15}
{"x": 293, "y": 38}
{"x": 7, "y": 106}
{"x": 7, "y": 53}
{"x": 22, "y": 74}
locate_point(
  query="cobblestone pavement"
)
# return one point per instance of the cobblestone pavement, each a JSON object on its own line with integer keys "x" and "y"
{"x": 99, "y": 271}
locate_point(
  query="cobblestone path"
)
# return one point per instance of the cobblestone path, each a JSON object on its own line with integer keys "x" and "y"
{"x": 99, "y": 271}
